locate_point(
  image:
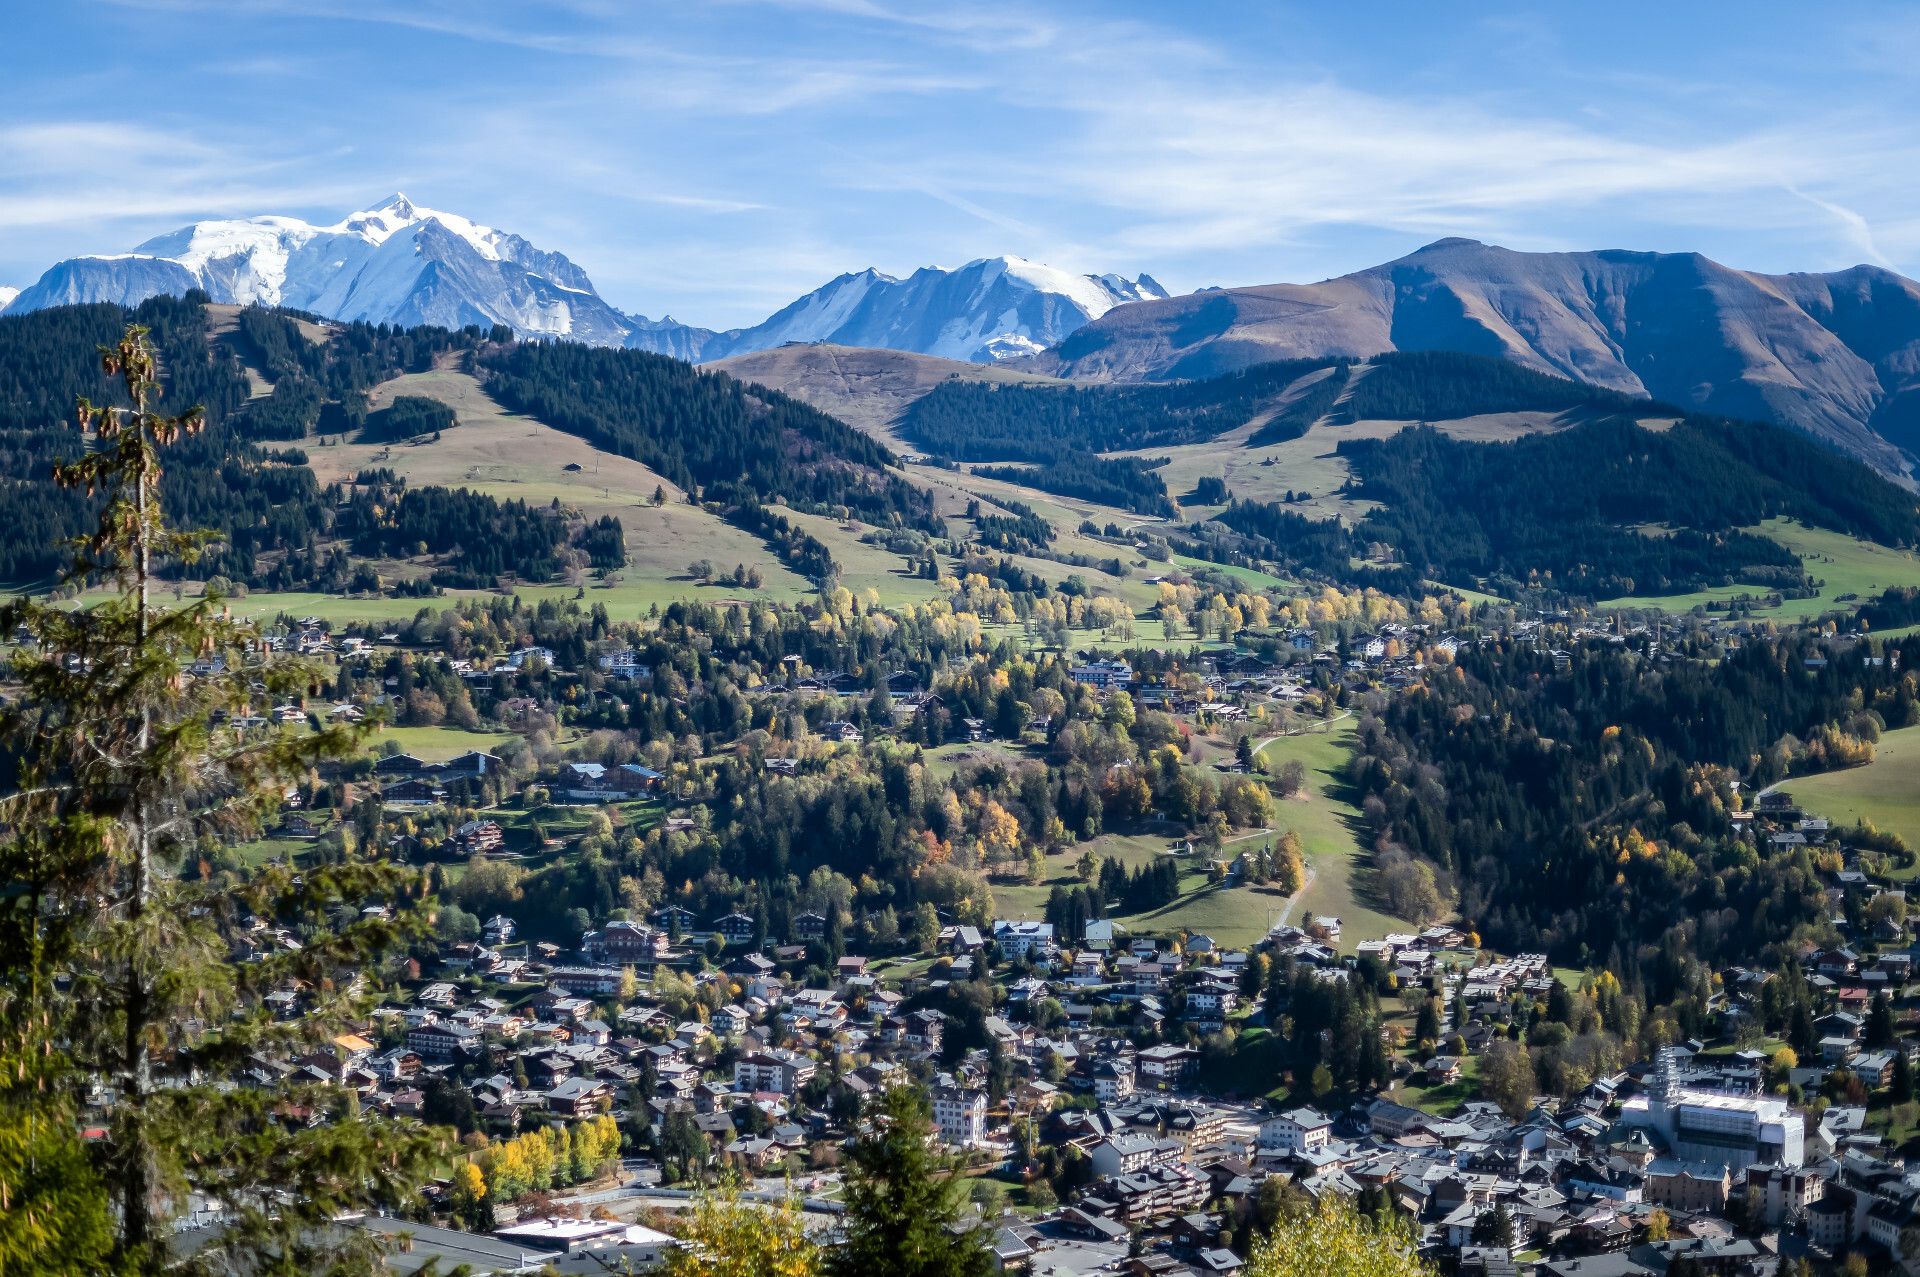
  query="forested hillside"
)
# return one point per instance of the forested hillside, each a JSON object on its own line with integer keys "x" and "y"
{"x": 1439, "y": 385}
{"x": 1577, "y": 504}
{"x": 984, "y": 421}
{"x": 705, "y": 431}
{"x": 1585, "y": 813}
{"x": 256, "y": 500}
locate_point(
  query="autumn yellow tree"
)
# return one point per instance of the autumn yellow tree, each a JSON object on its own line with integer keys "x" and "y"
{"x": 730, "y": 1237}
{"x": 469, "y": 1194}
{"x": 1336, "y": 1238}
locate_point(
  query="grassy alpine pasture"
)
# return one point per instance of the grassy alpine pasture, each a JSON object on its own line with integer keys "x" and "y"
{"x": 514, "y": 457}
{"x": 1327, "y": 822}
{"x": 1309, "y": 463}
{"x": 1884, "y": 792}
{"x": 1846, "y": 566}
{"x": 434, "y": 744}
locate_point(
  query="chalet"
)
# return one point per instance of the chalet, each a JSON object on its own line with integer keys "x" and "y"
{"x": 1166, "y": 1066}
{"x": 1112, "y": 1079}
{"x": 473, "y": 764}
{"x": 585, "y": 981}
{"x": 623, "y": 943}
{"x": 596, "y": 782}
{"x": 437, "y": 1041}
{"x": 413, "y": 793}
{"x": 479, "y": 837}
{"x": 735, "y": 928}
{"x": 674, "y": 918}
{"x": 297, "y": 824}
{"x": 578, "y": 1097}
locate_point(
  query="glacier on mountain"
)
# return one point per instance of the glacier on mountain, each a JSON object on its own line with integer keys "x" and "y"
{"x": 401, "y": 263}
{"x": 396, "y": 263}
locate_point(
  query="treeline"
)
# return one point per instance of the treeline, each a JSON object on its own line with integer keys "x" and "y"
{"x": 1151, "y": 886}
{"x": 736, "y": 445}
{"x": 322, "y": 385}
{"x": 1126, "y": 482}
{"x": 1439, "y": 385}
{"x": 805, "y": 553}
{"x": 406, "y": 417}
{"x": 987, "y": 421}
{"x": 1569, "y": 505}
{"x": 1311, "y": 404}
{"x": 1021, "y": 530}
{"x": 1285, "y": 536}
{"x": 1894, "y": 609}
{"x": 478, "y": 538}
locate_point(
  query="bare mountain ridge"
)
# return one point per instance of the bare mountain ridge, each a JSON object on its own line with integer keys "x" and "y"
{"x": 1837, "y": 355}
{"x": 865, "y": 387}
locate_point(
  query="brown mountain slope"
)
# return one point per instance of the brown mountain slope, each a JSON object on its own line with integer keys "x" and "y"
{"x": 867, "y": 389}
{"x": 1837, "y": 355}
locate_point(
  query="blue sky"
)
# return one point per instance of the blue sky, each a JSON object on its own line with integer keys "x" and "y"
{"x": 714, "y": 160}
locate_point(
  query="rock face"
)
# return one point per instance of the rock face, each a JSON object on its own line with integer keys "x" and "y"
{"x": 864, "y": 387}
{"x": 1837, "y": 355}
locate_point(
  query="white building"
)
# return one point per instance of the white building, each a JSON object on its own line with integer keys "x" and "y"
{"x": 1104, "y": 674}
{"x": 1736, "y": 1131}
{"x": 1018, "y": 938}
{"x": 1294, "y": 1132}
{"x": 961, "y": 1115}
{"x": 783, "y": 1073}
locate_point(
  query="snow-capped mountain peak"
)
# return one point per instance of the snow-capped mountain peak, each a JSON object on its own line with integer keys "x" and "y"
{"x": 990, "y": 309}
{"x": 7, "y": 295}
{"x": 398, "y": 262}
{"x": 397, "y": 213}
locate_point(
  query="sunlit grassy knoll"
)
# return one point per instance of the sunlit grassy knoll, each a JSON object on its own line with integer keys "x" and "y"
{"x": 515, "y": 457}
{"x": 1232, "y": 915}
{"x": 1845, "y": 565}
{"x": 435, "y": 744}
{"x": 1251, "y": 578}
{"x": 1884, "y": 792}
{"x": 1326, "y": 819}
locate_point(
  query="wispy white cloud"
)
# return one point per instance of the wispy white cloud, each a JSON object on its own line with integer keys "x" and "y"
{"x": 708, "y": 158}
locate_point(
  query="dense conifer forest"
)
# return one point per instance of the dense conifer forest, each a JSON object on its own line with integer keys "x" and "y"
{"x": 217, "y": 479}
{"x": 985, "y": 421}
{"x": 1438, "y": 385}
{"x": 1125, "y": 482}
{"x": 1609, "y": 508}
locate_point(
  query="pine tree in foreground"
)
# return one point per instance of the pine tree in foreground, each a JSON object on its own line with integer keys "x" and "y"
{"x": 903, "y": 1204}
{"x": 124, "y": 767}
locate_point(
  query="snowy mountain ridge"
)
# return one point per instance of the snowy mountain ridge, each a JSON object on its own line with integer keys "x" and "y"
{"x": 397, "y": 263}
{"x": 402, "y": 263}
{"x": 990, "y": 309}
